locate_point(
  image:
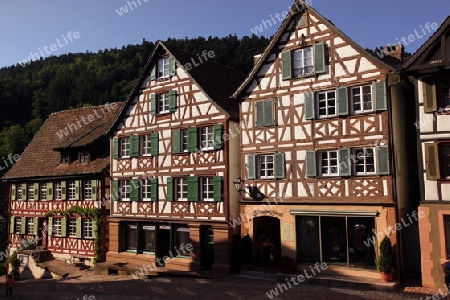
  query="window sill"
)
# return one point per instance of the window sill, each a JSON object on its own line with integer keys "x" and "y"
{"x": 181, "y": 153}
{"x": 265, "y": 126}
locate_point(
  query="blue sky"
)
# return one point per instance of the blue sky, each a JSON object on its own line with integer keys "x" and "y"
{"x": 27, "y": 26}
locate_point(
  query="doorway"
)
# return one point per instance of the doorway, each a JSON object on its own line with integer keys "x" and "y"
{"x": 207, "y": 247}
{"x": 163, "y": 243}
{"x": 266, "y": 226}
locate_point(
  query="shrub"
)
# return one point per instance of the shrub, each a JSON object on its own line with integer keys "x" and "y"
{"x": 385, "y": 261}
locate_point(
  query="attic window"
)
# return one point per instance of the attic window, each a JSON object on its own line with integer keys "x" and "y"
{"x": 65, "y": 157}
{"x": 84, "y": 156}
{"x": 163, "y": 67}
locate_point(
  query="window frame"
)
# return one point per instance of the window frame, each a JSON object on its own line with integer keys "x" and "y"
{"x": 30, "y": 225}
{"x": 361, "y": 101}
{"x": 31, "y": 193}
{"x": 145, "y": 189}
{"x": 206, "y": 137}
{"x": 163, "y": 66}
{"x": 125, "y": 147}
{"x": 71, "y": 190}
{"x": 58, "y": 190}
{"x": 327, "y": 106}
{"x": 87, "y": 190}
{"x": 145, "y": 144}
{"x": 444, "y": 159}
{"x": 65, "y": 158}
{"x": 362, "y": 160}
{"x": 302, "y": 58}
{"x": 207, "y": 188}
{"x": 84, "y": 157}
{"x": 57, "y": 228}
{"x": 329, "y": 166}
{"x": 19, "y": 192}
{"x": 17, "y": 225}
{"x": 72, "y": 227}
{"x": 87, "y": 228}
{"x": 262, "y": 161}
{"x": 163, "y": 103}
{"x": 123, "y": 193}
{"x": 184, "y": 140}
{"x": 180, "y": 185}
{"x": 43, "y": 191}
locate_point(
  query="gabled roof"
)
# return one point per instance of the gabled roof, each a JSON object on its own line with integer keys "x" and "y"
{"x": 216, "y": 81}
{"x": 429, "y": 44}
{"x": 293, "y": 11}
{"x": 64, "y": 130}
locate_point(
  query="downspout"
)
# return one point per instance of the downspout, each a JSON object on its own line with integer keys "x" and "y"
{"x": 393, "y": 164}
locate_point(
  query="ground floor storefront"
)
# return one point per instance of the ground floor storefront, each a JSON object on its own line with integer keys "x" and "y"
{"x": 342, "y": 236}
{"x": 181, "y": 246}
{"x": 434, "y": 233}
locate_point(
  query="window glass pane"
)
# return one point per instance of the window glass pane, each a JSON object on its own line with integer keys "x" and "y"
{"x": 87, "y": 228}
{"x": 446, "y": 161}
{"x": 182, "y": 237}
{"x": 130, "y": 237}
{"x": 72, "y": 226}
{"x": 148, "y": 238}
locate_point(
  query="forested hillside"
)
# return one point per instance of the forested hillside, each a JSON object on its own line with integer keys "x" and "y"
{"x": 29, "y": 93}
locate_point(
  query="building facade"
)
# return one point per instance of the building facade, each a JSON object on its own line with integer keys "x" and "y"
{"x": 429, "y": 67}
{"x": 175, "y": 153}
{"x": 59, "y": 188}
{"x": 322, "y": 139}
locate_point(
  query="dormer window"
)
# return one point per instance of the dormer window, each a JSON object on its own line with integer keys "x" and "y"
{"x": 84, "y": 156}
{"x": 65, "y": 158}
{"x": 163, "y": 67}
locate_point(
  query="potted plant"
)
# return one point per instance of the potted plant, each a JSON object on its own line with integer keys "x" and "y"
{"x": 385, "y": 262}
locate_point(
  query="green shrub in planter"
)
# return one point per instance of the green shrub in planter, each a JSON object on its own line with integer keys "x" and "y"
{"x": 385, "y": 261}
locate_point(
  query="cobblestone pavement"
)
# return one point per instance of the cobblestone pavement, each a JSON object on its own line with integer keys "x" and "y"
{"x": 121, "y": 287}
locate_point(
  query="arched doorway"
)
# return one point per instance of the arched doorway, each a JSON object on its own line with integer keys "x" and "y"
{"x": 262, "y": 227}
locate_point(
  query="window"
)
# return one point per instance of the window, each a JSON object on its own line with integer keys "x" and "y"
{"x": 327, "y": 104}
{"x": 124, "y": 144}
{"x": 207, "y": 188}
{"x": 207, "y": 138}
{"x": 87, "y": 190}
{"x": 65, "y": 157}
{"x": 184, "y": 140}
{"x": 303, "y": 62}
{"x": 56, "y": 226}
{"x": 437, "y": 160}
{"x": 18, "y": 225}
{"x": 163, "y": 103}
{"x": 72, "y": 190}
{"x": 447, "y": 234}
{"x": 31, "y": 191}
{"x": 364, "y": 161}
{"x": 88, "y": 226}
{"x": 58, "y": 191}
{"x": 147, "y": 240}
{"x": 163, "y": 67}
{"x": 436, "y": 93}
{"x": 329, "y": 163}
{"x": 30, "y": 225}
{"x": 19, "y": 192}
{"x": 72, "y": 227}
{"x": 130, "y": 237}
{"x": 266, "y": 166}
{"x": 146, "y": 190}
{"x": 181, "y": 189}
{"x": 182, "y": 238}
{"x": 146, "y": 145}
{"x": 444, "y": 95}
{"x": 84, "y": 156}
{"x": 43, "y": 191}
{"x": 362, "y": 98}
{"x": 265, "y": 113}
{"x": 124, "y": 190}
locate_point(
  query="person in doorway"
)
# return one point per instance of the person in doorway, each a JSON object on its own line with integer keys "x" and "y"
{"x": 266, "y": 251}
{"x": 9, "y": 285}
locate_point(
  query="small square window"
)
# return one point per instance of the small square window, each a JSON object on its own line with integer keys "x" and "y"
{"x": 364, "y": 161}
{"x": 327, "y": 104}
{"x": 266, "y": 166}
{"x": 65, "y": 158}
{"x": 84, "y": 157}
{"x": 329, "y": 163}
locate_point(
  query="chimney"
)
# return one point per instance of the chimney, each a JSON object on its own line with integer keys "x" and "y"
{"x": 395, "y": 51}
{"x": 256, "y": 58}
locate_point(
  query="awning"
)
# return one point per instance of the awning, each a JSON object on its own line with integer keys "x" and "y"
{"x": 335, "y": 213}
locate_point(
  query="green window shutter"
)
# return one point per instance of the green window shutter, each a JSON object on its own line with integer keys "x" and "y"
{"x": 79, "y": 228}
{"x": 63, "y": 190}
{"x": 134, "y": 190}
{"x": 153, "y": 73}
{"x": 176, "y": 141}
{"x": 311, "y": 170}
{"x": 94, "y": 229}
{"x": 13, "y": 192}
{"x": 154, "y": 140}
{"x": 35, "y": 226}
{"x": 115, "y": 190}
{"x": 154, "y": 189}
{"x": 23, "y": 225}
{"x": 218, "y": 186}
{"x": 63, "y": 227}
{"x": 192, "y": 139}
{"x": 286, "y": 65}
{"x": 37, "y": 193}
{"x": 429, "y": 94}
{"x": 260, "y": 114}
{"x": 218, "y": 142}
{"x": 432, "y": 161}
{"x": 50, "y": 226}
{"x": 94, "y": 190}
{"x": 192, "y": 188}
{"x": 49, "y": 190}
{"x": 173, "y": 101}
{"x": 169, "y": 189}
{"x": 12, "y": 222}
{"x": 309, "y": 106}
{"x": 172, "y": 67}
{"x": 380, "y": 95}
{"x": 24, "y": 191}
{"x": 269, "y": 112}
{"x": 77, "y": 189}
{"x": 383, "y": 160}
{"x": 153, "y": 109}
{"x": 134, "y": 146}
{"x": 115, "y": 148}
{"x": 280, "y": 166}
{"x": 345, "y": 168}
{"x": 319, "y": 58}
{"x": 251, "y": 165}
{"x": 342, "y": 100}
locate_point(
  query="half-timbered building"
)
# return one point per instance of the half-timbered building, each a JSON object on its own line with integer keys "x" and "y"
{"x": 324, "y": 173}
{"x": 430, "y": 68}
{"x": 59, "y": 188}
{"x": 175, "y": 153}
